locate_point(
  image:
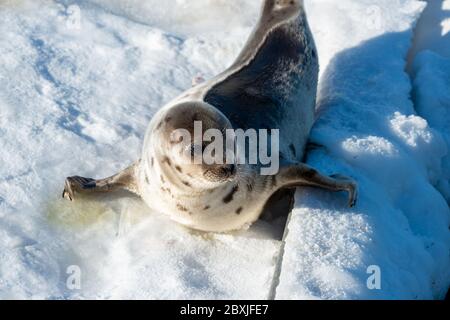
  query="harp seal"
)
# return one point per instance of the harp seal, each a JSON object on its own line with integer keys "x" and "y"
{"x": 271, "y": 85}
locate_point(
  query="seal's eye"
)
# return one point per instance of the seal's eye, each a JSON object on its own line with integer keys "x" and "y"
{"x": 195, "y": 149}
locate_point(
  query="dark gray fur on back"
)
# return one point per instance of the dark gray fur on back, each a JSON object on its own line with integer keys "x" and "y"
{"x": 263, "y": 91}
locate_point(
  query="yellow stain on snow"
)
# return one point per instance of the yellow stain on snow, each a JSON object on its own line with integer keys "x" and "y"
{"x": 22, "y": 3}
{"x": 121, "y": 213}
{"x": 79, "y": 213}
{"x": 10, "y": 3}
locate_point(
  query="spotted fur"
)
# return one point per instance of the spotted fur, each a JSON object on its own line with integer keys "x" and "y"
{"x": 271, "y": 85}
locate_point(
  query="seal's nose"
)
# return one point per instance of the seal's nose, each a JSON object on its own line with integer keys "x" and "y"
{"x": 228, "y": 170}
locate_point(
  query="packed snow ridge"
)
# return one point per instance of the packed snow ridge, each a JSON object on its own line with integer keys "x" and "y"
{"x": 80, "y": 81}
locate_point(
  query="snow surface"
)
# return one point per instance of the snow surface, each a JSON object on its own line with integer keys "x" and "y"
{"x": 432, "y": 94}
{"x": 368, "y": 129}
{"x": 430, "y": 64}
{"x": 433, "y": 29}
{"x": 76, "y": 97}
{"x": 77, "y": 101}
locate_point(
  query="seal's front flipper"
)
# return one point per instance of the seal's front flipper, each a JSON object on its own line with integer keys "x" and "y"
{"x": 124, "y": 180}
{"x": 304, "y": 175}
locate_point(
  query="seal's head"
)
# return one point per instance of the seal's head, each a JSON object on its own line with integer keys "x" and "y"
{"x": 195, "y": 145}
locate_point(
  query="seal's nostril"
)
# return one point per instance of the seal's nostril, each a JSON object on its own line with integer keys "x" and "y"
{"x": 228, "y": 170}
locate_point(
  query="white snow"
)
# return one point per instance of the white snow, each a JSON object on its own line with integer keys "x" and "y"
{"x": 432, "y": 94}
{"x": 430, "y": 69}
{"x": 79, "y": 85}
{"x": 76, "y": 98}
{"x": 368, "y": 129}
{"x": 433, "y": 29}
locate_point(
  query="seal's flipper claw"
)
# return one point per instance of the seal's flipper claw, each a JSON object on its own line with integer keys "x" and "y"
{"x": 352, "y": 194}
{"x": 352, "y": 188}
{"x": 67, "y": 192}
{"x": 77, "y": 184}
{"x": 67, "y": 195}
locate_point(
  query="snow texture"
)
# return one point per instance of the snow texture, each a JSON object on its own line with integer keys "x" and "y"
{"x": 432, "y": 96}
{"x": 433, "y": 29}
{"x": 76, "y": 98}
{"x": 431, "y": 74}
{"x": 368, "y": 129}
{"x": 80, "y": 81}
